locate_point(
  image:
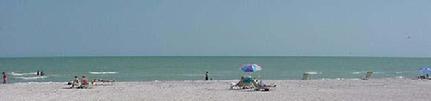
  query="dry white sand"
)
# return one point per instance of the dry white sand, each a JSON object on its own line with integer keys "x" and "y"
{"x": 286, "y": 90}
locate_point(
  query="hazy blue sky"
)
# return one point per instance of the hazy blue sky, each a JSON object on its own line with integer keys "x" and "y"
{"x": 215, "y": 27}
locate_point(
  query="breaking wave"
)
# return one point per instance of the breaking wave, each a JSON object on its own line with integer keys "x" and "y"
{"x": 313, "y": 73}
{"x": 22, "y": 74}
{"x": 32, "y": 77}
{"x": 101, "y": 73}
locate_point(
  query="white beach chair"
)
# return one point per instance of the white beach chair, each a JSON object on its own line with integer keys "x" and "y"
{"x": 367, "y": 76}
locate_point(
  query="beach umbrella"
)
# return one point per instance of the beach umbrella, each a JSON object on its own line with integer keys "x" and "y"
{"x": 249, "y": 68}
{"x": 425, "y": 70}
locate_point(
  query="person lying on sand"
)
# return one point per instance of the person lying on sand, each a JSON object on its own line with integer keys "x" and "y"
{"x": 421, "y": 77}
{"x": 260, "y": 86}
{"x": 260, "y": 82}
{"x": 94, "y": 82}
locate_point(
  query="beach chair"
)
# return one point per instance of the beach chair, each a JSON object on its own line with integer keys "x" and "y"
{"x": 306, "y": 76}
{"x": 248, "y": 82}
{"x": 244, "y": 83}
{"x": 367, "y": 76}
{"x": 101, "y": 82}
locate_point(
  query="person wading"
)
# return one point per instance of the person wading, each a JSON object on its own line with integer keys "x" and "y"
{"x": 4, "y": 78}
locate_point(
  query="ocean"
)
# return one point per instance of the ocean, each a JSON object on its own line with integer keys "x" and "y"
{"x": 147, "y": 68}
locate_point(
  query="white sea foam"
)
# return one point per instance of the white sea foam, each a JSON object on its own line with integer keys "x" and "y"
{"x": 378, "y": 72}
{"x": 357, "y": 72}
{"x": 313, "y": 73}
{"x": 32, "y": 77}
{"x": 191, "y": 74}
{"x": 363, "y": 72}
{"x": 354, "y": 79}
{"x": 339, "y": 78}
{"x": 22, "y": 74}
{"x": 31, "y": 83}
{"x": 100, "y": 73}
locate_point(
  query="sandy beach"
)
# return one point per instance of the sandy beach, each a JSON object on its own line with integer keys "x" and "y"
{"x": 218, "y": 90}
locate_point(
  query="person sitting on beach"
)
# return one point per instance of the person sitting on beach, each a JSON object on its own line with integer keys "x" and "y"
{"x": 421, "y": 77}
{"x": 240, "y": 82}
{"x": 244, "y": 83}
{"x": 75, "y": 82}
{"x": 248, "y": 82}
{"x": 84, "y": 82}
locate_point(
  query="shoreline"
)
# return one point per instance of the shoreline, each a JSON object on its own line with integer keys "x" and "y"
{"x": 321, "y": 79}
{"x": 218, "y": 90}
{"x": 382, "y": 78}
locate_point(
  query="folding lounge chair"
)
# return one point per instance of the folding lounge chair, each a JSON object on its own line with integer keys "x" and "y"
{"x": 368, "y": 76}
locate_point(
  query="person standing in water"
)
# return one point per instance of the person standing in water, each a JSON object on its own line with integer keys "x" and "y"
{"x": 42, "y": 74}
{"x": 206, "y": 75}
{"x": 4, "y": 78}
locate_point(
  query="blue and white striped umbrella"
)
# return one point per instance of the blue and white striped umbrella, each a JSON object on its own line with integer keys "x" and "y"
{"x": 250, "y": 68}
{"x": 425, "y": 70}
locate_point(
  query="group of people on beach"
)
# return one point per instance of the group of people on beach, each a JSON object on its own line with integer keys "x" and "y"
{"x": 247, "y": 82}
{"x": 84, "y": 83}
{"x": 79, "y": 83}
{"x": 423, "y": 77}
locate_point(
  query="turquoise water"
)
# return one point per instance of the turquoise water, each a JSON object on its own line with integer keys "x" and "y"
{"x": 219, "y": 68}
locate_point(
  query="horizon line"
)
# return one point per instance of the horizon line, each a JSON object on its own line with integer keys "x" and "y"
{"x": 213, "y": 56}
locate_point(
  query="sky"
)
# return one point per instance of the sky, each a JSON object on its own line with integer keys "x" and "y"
{"x": 378, "y": 28}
